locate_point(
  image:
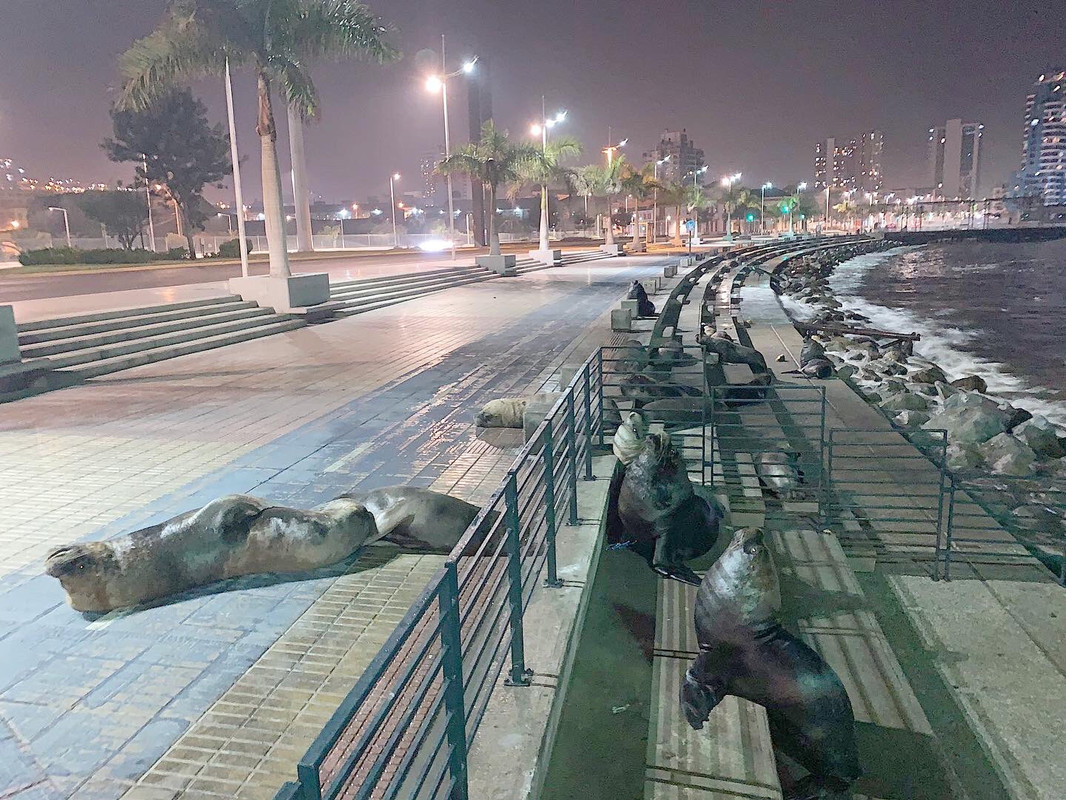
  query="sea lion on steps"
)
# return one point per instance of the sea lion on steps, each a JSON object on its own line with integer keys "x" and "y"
{"x": 745, "y": 652}
{"x": 231, "y": 536}
{"x": 653, "y": 508}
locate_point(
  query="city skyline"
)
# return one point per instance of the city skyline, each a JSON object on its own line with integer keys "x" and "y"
{"x": 755, "y": 110}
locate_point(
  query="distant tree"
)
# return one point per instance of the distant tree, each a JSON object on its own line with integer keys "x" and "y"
{"x": 184, "y": 152}
{"x": 734, "y": 198}
{"x": 640, "y": 183}
{"x": 596, "y": 180}
{"x": 547, "y": 167}
{"x": 123, "y": 213}
{"x": 495, "y": 161}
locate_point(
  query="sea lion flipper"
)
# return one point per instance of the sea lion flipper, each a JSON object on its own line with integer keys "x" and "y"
{"x": 666, "y": 562}
{"x": 698, "y": 699}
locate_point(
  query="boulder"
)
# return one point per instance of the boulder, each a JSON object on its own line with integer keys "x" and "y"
{"x": 868, "y": 374}
{"x": 971, "y": 383}
{"x": 944, "y": 390}
{"x": 968, "y": 401}
{"x": 904, "y": 401}
{"x": 1017, "y": 417}
{"x": 1041, "y": 437}
{"x": 930, "y": 374}
{"x": 969, "y": 426}
{"x": 846, "y": 371}
{"x": 962, "y": 459}
{"x": 1006, "y": 455}
{"x": 911, "y": 419}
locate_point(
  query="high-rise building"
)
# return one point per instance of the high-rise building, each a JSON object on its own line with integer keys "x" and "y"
{"x": 431, "y": 182}
{"x": 853, "y": 163}
{"x": 1043, "y": 170}
{"x": 955, "y": 158}
{"x": 684, "y": 157}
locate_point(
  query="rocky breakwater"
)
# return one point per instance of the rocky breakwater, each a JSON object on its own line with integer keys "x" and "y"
{"x": 992, "y": 445}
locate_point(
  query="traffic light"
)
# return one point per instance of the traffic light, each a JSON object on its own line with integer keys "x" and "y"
{"x": 784, "y": 208}
{"x": 751, "y": 217}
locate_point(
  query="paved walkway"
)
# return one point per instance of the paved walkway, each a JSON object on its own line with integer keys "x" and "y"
{"x": 247, "y": 675}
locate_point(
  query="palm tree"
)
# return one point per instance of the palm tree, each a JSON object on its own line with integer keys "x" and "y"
{"x": 605, "y": 181}
{"x": 198, "y": 37}
{"x": 495, "y": 161}
{"x": 695, "y": 198}
{"x": 676, "y": 194}
{"x": 586, "y": 180}
{"x": 547, "y": 167}
{"x": 640, "y": 183}
{"x": 734, "y": 197}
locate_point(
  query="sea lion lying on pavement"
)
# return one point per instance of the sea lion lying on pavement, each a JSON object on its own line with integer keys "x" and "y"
{"x": 505, "y": 412}
{"x": 745, "y": 652}
{"x": 652, "y": 507}
{"x": 779, "y": 472}
{"x": 231, "y": 536}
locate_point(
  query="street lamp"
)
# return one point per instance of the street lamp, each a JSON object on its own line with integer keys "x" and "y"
{"x": 728, "y": 182}
{"x": 655, "y": 198}
{"x": 792, "y": 206}
{"x": 609, "y": 151}
{"x": 148, "y": 197}
{"x": 439, "y": 83}
{"x": 66, "y": 221}
{"x": 762, "y": 206}
{"x": 696, "y": 208}
{"x": 542, "y": 129}
{"x": 392, "y": 193}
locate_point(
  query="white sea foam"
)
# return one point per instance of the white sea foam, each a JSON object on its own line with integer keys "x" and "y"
{"x": 946, "y": 345}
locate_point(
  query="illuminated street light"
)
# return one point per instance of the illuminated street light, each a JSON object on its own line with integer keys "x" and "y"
{"x": 439, "y": 83}
{"x": 762, "y": 206}
{"x": 392, "y": 193}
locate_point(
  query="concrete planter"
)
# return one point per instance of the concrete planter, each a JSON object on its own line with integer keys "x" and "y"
{"x": 9, "y": 337}
{"x": 612, "y": 249}
{"x": 284, "y": 295}
{"x": 670, "y": 271}
{"x": 550, "y": 257}
{"x": 501, "y": 265}
{"x": 633, "y": 306}
{"x": 621, "y": 319}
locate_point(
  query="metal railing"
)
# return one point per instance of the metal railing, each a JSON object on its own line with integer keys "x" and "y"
{"x": 405, "y": 728}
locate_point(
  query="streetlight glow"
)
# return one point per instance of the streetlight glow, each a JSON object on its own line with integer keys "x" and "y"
{"x": 434, "y": 83}
{"x": 535, "y": 129}
{"x": 468, "y": 66}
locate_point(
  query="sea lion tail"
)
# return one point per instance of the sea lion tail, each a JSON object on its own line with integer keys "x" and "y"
{"x": 697, "y": 700}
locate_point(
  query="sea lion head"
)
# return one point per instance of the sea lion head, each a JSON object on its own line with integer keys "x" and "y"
{"x": 502, "y": 413}
{"x": 84, "y": 571}
{"x": 745, "y": 573}
{"x": 629, "y": 438}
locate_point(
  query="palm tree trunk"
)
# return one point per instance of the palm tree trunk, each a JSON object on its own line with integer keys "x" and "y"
{"x": 273, "y": 210}
{"x": 301, "y": 198}
{"x": 494, "y": 235}
{"x": 677, "y": 226}
{"x": 608, "y": 225}
{"x": 636, "y": 223}
{"x": 544, "y": 217}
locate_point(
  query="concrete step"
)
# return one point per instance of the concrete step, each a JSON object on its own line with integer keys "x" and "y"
{"x": 241, "y": 311}
{"x": 405, "y": 277}
{"x": 357, "y": 292}
{"x": 73, "y": 327}
{"x": 163, "y": 352}
{"x": 363, "y": 304}
{"x": 100, "y": 316}
{"x": 125, "y": 348}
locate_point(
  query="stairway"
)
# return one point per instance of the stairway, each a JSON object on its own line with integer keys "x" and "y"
{"x": 92, "y": 345}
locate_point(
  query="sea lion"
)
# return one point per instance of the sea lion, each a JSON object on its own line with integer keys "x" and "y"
{"x": 653, "y": 508}
{"x": 505, "y": 412}
{"x": 628, "y": 440}
{"x": 231, "y": 536}
{"x": 745, "y": 652}
{"x": 645, "y": 307}
{"x": 416, "y": 519}
{"x": 779, "y": 472}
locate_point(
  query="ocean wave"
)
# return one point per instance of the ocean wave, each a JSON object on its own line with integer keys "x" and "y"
{"x": 946, "y": 345}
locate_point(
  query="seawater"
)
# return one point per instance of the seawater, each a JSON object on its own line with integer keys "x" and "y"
{"x": 994, "y": 310}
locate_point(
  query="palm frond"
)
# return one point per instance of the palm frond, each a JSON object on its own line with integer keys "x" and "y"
{"x": 337, "y": 29}
{"x": 296, "y": 83}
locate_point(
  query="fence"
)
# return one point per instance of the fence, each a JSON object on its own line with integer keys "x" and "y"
{"x": 405, "y": 728}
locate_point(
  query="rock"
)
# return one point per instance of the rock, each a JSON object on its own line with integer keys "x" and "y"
{"x": 846, "y": 371}
{"x": 872, "y": 397}
{"x": 965, "y": 401}
{"x": 1017, "y": 417}
{"x": 856, "y": 355}
{"x": 894, "y": 369}
{"x": 971, "y": 383}
{"x": 944, "y": 390}
{"x": 781, "y": 359}
{"x": 1041, "y": 436}
{"x": 930, "y": 374}
{"x": 911, "y": 419}
{"x": 1008, "y": 456}
{"x": 893, "y": 385}
{"x": 868, "y": 374}
{"x": 904, "y": 401}
{"x": 968, "y": 426}
{"x": 962, "y": 459}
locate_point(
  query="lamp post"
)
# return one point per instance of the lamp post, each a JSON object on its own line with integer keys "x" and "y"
{"x": 542, "y": 129}
{"x": 728, "y": 182}
{"x": 440, "y": 83}
{"x": 392, "y": 193}
{"x": 66, "y": 221}
{"x": 696, "y": 208}
{"x": 609, "y": 151}
{"x": 792, "y": 206}
{"x": 827, "y": 190}
{"x": 148, "y": 198}
{"x": 762, "y": 206}
{"x": 655, "y": 199}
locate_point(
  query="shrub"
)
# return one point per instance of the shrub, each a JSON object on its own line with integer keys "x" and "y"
{"x": 232, "y": 248}
{"x": 111, "y": 255}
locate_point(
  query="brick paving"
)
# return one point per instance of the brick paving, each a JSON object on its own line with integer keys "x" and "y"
{"x": 224, "y": 689}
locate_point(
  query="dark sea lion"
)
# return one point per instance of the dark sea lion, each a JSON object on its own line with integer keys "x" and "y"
{"x": 645, "y": 307}
{"x": 745, "y": 652}
{"x": 230, "y": 536}
{"x": 653, "y": 508}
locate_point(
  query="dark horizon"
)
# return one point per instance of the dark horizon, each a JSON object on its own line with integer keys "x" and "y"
{"x": 755, "y": 87}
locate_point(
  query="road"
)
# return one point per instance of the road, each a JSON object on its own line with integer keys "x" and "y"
{"x": 14, "y": 288}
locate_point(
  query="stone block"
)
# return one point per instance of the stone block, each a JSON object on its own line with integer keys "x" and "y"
{"x": 631, "y": 305}
{"x": 670, "y": 271}
{"x": 501, "y": 265}
{"x": 9, "y": 337}
{"x": 551, "y": 257}
{"x": 621, "y": 319}
{"x": 612, "y": 249}
{"x": 283, "y": 294}
{"x": 537, "y": 409}
{"x": 652, "y": 285}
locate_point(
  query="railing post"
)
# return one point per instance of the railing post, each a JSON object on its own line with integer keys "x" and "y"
{"x": 452, "y": 665}
{"x": 951, "y": 527}
{"x": 571, "y": 434}
{"x": 599, "y": 390}
{"x": 828, "y": 479}
{"x": 711, "y": 434}
{"x": 821, "y": 442}
{"x": 549, "y": 503}
{"x": 941, "y": 488}
{"x": 588, "y": 422}
{"x": 519, "y": 675}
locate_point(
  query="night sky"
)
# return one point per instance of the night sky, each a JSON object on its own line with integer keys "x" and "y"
{"x": 755, "y": 84}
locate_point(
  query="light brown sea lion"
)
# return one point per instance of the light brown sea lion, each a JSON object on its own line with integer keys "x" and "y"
{"x": 231, "y": 536}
